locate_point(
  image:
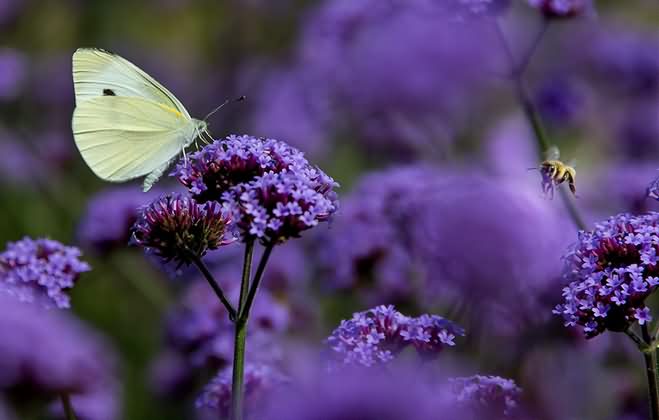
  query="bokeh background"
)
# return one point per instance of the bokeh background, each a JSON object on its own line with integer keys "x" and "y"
{"x": 414, "y": 114}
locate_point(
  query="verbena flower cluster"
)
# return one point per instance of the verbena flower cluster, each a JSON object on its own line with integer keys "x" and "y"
{"x": 271, "y": 190}
{"x": 200, "y": 331}
{"x": 41, "y": 271}
{"x": 379, "y": 334}
{"x": 561, "y": 8}
{"x": 109, "y": 216}
{"x": 50, "y": 352}
{"x": 176, "y": 228}
{"x": 260, "y": 379}
{"x": 369, "y": 248}
{"x": 612, "y": 270}
{"x": 487, "y": 395}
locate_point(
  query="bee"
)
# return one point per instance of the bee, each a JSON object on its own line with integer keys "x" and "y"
{"x": 554, "y": 172}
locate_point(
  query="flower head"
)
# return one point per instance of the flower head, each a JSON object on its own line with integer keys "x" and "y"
{"x": 379, "y": 334}
{"x": 612, "y": 270}
{"x": 561, "y": 8}
{"x": 40, "y": 270}
{"x": 360, "y": 394}
{"x": 487, "y": 395}
{"x": 271, "y": 190}
{"x": 259, "y": 381}
{"x": 109, "y": 216}
{"x": 176, "y": 228}
{"x": 50, "y": 352}
{"x": 200, "y": 330}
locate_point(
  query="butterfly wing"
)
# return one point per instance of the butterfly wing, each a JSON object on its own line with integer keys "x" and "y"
{"x": 122, "y": 138}
{"x": 100, "y": 73}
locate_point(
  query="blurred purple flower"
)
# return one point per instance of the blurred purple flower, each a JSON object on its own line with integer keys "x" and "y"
{"x": 560, "y": 100}
{"x": 290, "y": 106}
{"x": 611, "y": 270}
{"x": 9, "y": 9}
{"x": 109, "y": 216}
{"x": 471, "y": 8}
{"x": 377, "y": 335}
{"x": 272, "y": 192}
{"x": 175, "y": 228}
{"x": 18, "y": 164}
{"x": 368, "y": 247}
{"x": 259, "y": 382}
{"x": 490, "y": 256}
{"x": 360, "y": 394}
{"x": 286, "y": 272}
{"x": 40, "y": 271}
{"x": 626, "y": 187}
{"x": 562, "y": 8}
{"x": 485, "y": 395}
{"x": 638, "y": 134}
{"x": 13, "y": 69}
{"x": 376, "y": 43}
{"x": 49, "y": 353}
{"x": 624, "y": 61}
{"x": 199, "y": 327}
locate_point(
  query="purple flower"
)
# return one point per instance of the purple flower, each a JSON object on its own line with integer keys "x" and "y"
{"x": 562, "y": 8}
{"x": 50, "y": 352}
{"x": 638, "y": 134}
{"x": 377, "y": 335}
{"x": 624, "y": 61}
{"x": 485, "y": 395}
{"x": 17, "y": 162}
{"x": 293, "y": 106}
{"x": 414, "y": 112}
{"x": 13, "y": 72}
{"x": 109, "y": 217}
{"x": 490, "y": 255}
{"x": 270, "y": 189}
{"x": 626, "y": 187}
{"x": 41, "y": 271}
{"x": 615, "y": 276}
{"x": 259, "y": 382}
{"x": 199, "y": 327}
{"x": 368, "y": 248}
{"x": 176, "y": 228}
{"x": 561, "y": 100}
{"x": 463, "y": 9}
{"x": 642, "y": 315}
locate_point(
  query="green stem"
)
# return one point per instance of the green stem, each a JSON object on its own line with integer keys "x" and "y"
{"x": 260, "y": 269}
{"x": 650, "y": 358}
{"x": 214, "y": 285}
{"x": 240, "y": 334}
{"x": 531, "y": 113}
{"x": 68, "y": 407}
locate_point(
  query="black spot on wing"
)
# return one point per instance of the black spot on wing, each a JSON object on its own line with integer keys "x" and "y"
{"x": 108, "y": 92}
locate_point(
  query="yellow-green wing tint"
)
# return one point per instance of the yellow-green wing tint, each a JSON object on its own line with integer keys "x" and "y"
{"x": 122, "y": 138}
{"x": 100, "y": 73}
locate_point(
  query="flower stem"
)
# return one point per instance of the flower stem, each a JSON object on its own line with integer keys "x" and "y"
{"x": 260, "y": 269}
{"x": 68, "y": 407}
{"x": 240, "y": 334}
{"x": 531, "y": 113}
{"x": 214, "y": 285}
{"x": 650, "y": 358}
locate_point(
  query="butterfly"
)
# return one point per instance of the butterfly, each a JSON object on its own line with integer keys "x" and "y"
{"x": 127, "y": 125}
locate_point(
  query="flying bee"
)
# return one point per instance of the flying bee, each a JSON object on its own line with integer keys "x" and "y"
{"x": 554, "y": 172}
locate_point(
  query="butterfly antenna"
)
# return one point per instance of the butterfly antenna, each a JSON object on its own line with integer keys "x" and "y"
{"x": 242, "y": 98}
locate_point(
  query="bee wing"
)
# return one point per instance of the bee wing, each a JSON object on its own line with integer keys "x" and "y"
{"x": 552, "y": 153}
{"x": 572, "y": 163}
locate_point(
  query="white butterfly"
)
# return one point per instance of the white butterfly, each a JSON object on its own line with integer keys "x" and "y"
{"x": 126, "y": 124}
